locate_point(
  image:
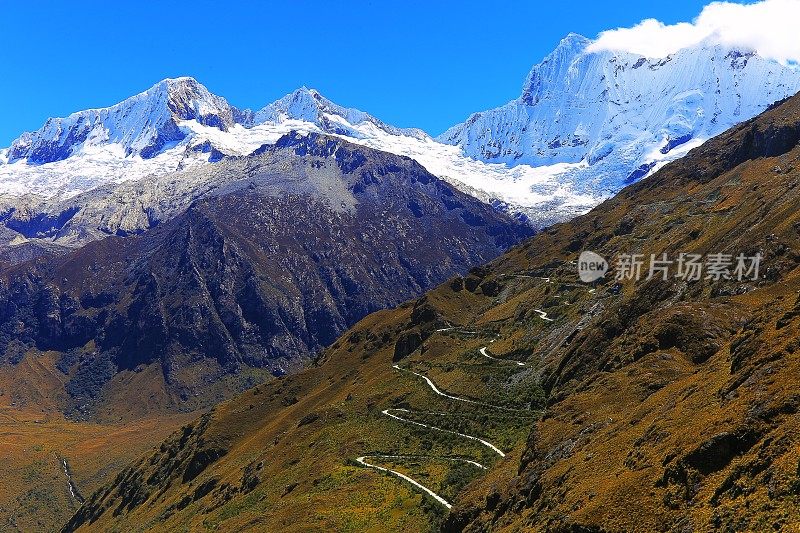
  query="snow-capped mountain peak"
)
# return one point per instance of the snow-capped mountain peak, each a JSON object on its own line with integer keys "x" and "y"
{"x": 187, "y": 99}
{"x": 301, "y": 104}
{"x": 309, "y": 105}
{"x": 619, "y": 116}
{"x": 553, "y": 67}
{"x": 141, "y": 125}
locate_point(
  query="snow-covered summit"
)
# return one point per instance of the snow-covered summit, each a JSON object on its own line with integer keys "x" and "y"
{"x": 176, "y": 124}
{"x": 554, "y": 67}
{"x": 308, "y": 105}
{"x": 142, "y": 125}
{"x": 621, "y": 115}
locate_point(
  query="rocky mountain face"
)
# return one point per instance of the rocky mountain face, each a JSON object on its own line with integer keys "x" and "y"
{"x": 617, "y": 116}
{"x": 286, "y": 249}
{"x": 665, "y": 404}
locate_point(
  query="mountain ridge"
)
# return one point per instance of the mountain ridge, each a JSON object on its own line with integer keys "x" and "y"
{"x": 585, "y": 124}
{"x": 308, "y": 104}
{"x": 142, "y": 124}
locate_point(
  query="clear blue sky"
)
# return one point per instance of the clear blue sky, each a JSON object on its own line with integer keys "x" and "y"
{"x": 410, "y": 63}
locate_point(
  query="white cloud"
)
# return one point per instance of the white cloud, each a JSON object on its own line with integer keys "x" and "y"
{"x": 770, "y": 27}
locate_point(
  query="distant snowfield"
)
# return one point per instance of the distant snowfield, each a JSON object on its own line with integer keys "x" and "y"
{"x": 523, "y": 188}
{"x": 519, "y": 186}
{"x": 93, "y": 166}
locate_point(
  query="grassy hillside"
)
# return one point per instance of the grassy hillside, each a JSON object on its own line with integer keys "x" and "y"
{"x": 287, "y": 453}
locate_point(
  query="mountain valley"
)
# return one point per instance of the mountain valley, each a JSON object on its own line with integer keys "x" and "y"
{"x": 657, "y": 404}
{"x": 116, "y": 343}
{"x": 300, "y": 317}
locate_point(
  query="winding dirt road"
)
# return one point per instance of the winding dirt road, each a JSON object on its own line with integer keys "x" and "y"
{"x": 392, "y": 414}
{"x": 486, "y": 443}
{"x": 440, "y": 392}
{"x": 485, "y": 354}
{"x": 363, "y": 460}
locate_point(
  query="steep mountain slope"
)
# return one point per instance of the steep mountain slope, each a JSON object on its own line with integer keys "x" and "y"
{"x": 674, "y": 408}
{"x": 289, "y": 247}
{"x": 664, "y": 404}
{"x": 613, "y": 117}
